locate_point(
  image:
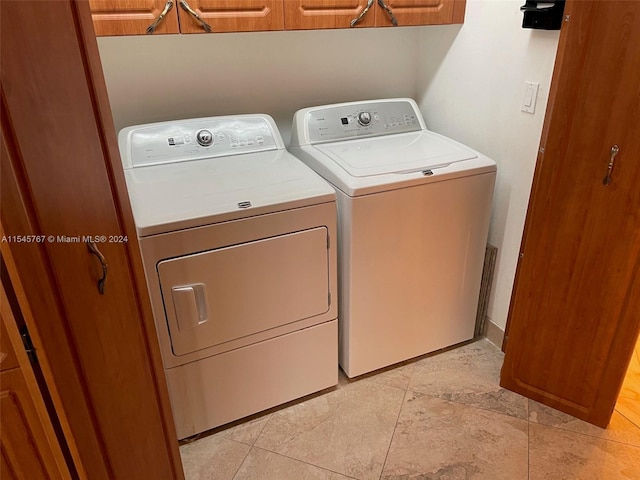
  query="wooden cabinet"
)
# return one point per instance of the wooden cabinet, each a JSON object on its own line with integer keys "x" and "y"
{"x": 98, "y": 349}
{"x": 233, "y": 15}
{"x": 421, "y": 12}
{"x": 573, "y": 319}
{"x": 29, "y": 446}
{"x": 136, "y": 17}
{"x": 312, "y": 14}
{"x": 139, "y": 17}
{"x": 133, "y": 17}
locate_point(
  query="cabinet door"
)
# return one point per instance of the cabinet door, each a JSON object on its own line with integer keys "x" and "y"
{"x": 311, "y": 14}
{"x": 421, "y": 12}
{"x": 133, "y": 17}
{"x": 25, "y": 452}
{"x": 101, "y": 351}
{"x": 231, "y": 15}
{"x": 573, "y": 319}
{"x": 29, "y": 446}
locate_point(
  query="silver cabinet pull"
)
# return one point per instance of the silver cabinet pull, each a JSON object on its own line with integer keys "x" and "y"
{"x": 152, "y": 28}
{"x": 185, "y": 6}
{"x": 394, "y": 22}
{"x": 356, "y": 20}
{"x": 612, "y": 158}
{"x": 94, "y": 250}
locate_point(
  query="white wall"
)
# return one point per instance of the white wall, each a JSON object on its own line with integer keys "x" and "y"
{"x": 471, "y": 83}
{"x": 467, "y": 79}
{"x": 164, "y": 77}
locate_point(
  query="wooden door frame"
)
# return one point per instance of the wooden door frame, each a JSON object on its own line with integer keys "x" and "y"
{"x": 30, "y": 270}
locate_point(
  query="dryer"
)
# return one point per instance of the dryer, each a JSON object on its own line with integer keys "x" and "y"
{"x": 413, "y": 218}
{"x": 235, "y": 235}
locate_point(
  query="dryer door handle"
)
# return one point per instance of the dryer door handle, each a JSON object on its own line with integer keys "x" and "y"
{"x": 190, "y": 303}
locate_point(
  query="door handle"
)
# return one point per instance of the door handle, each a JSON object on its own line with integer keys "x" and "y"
{"x": 185, "y": 6}
{"x": 356, "y": 20}
{"x": 394, "y": 22}
{"x": 102, "y": 280}
{"x": 152, "y": 28}
{"x": 612, "y": 158}
{"x": 190, "y": 303}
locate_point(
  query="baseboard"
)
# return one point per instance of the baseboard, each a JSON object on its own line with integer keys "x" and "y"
{"x": 494, "y": 333}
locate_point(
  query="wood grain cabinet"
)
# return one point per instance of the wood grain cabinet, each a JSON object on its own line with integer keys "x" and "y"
{"x": 138, "y": 17}
{"x": 315, "y": 14}
{"x": 421, "y": 12}
{"x": 29, "y": 446}
{"x": 134, "y": 17}
{"x": 233, "y": 15}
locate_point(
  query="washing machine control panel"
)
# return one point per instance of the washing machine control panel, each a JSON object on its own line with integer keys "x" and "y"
{"x": 179, "y": 141}
{"x": 342, "y": 122}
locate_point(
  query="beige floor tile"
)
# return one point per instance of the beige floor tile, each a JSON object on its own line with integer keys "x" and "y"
{"x": 212, "y": 458}
{"x": 247, "y": 432}
{"x": 468, "y": 375}
{"x": 437, "y": 439}
{"x": 397, "y": 377}
{"x": 346, "y": 431}
{"x": 620, "y": 429}
{"x": 263, "y": 465}
{"x": 556, "y": 454}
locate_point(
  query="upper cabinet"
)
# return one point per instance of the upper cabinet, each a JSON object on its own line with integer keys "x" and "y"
{"x": 312, "y": 14}
{"x": 420, "y": 12}
{"x": 137, "y": 17}
{"x": 134, "y": 17}
{"x": 231, "y": 15}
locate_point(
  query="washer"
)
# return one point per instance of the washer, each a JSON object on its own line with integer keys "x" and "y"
{"x": 235, "y": 235}
{"x": 413, "y": 218}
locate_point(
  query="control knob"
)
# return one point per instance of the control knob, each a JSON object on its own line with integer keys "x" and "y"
{"x": 205, "y": 138}
{"x": 364, "y": 118}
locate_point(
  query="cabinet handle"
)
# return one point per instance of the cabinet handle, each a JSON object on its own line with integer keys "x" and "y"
{"x": 612, "y": 158}
{"x": 356, "y": 20}
{"x": 152, "y": 28}
{"x": 394, "y": 22}
{"x": 185, "y": 6}
{"x": 94, "y": 250}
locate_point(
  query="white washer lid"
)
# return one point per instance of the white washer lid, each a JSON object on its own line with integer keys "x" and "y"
{"x": 175, "y": 196}
{"x": 405, "y": 152}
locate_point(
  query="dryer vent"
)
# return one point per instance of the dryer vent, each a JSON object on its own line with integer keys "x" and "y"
{"x": 485, "y": 288}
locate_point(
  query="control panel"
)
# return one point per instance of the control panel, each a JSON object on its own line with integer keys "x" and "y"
{"x": 354, "y": 120}
{"x": 179, "y": 141}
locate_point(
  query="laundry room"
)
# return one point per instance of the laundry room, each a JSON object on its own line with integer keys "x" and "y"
{"x": 469, "y": 81}
{"x": 320, "y": 239}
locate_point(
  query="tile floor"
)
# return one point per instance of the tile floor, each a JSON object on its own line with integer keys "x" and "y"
{"x": 442, "y": 417}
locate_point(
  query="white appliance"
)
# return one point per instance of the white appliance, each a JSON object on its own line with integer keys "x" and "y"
{"x": 413, "y": 218}
{"x": 235, "y": 235}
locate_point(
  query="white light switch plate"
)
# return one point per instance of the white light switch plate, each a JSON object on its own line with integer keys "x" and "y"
{"x": 530, "y": 97}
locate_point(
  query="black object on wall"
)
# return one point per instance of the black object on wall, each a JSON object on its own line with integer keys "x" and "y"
{"x": 542, "y": 14}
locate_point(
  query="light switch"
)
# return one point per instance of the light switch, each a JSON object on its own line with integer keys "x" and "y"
{"x": 530, "y": 97}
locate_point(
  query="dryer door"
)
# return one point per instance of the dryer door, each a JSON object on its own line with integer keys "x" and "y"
{"x": 238, "y": 291}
